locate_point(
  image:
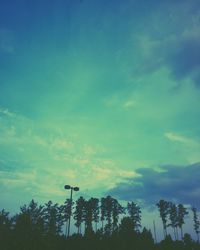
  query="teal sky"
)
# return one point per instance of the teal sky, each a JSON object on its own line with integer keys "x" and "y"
{"x": 99, "y": 94}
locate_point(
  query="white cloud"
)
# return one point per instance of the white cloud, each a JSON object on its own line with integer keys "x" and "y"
{"x": 16, "y": 179}
{"x": 181, "y": 139}
{"x": 127, "y": 174}
{"x": 128, "y": 104}
{"x": 6, "y": 112}
{"x": 188, "y": 147}
{"x": 102, "y": 173}
{"x": 88, "y": 150}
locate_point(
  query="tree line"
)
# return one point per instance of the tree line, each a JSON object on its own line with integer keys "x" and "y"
{"x": 104, "y": 222}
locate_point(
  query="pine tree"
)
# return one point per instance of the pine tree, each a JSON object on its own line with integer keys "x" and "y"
{"x": 173, "y": 216}
{"x": 29, "y": 225}
{"x": 108, "y": 214}
{"x": 5, "y": 221}
{"x": 134, "y": 212}
{"x": 182, "y": 212}
{"x": 95, "y": 211}
{"x": 163, "y": 207}
{"x": 196, "y": 222}
{"x": 32, "y": 216}
{"x": 6, "y": 224}
{"x": 103, "y": 212}
{"x": 53, "y": 218}
{"x": 67, "y": 208}
{"x": 79, "y": 213}
{"x": 126, "y": 226}
{"x": 88, "y": 215}
{"x": 117, "y": 209}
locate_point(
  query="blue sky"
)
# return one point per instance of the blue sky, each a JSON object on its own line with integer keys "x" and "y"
{"x": 100, "y": 94}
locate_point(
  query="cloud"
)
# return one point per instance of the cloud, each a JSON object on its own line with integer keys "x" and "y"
{"x": 14, "y": 179}
{"x": 171, "y": 39}
{"x": 6, "y": 112}
{"x": 185, "y": 61}
{"x": 177, "y": 183}
{"x": 181, "y": 139}
{"x": 129, "y": 104}
{"x": 188, "y": 146}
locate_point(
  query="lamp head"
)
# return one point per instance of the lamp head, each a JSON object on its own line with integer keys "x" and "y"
{"x": 67, "y": 186}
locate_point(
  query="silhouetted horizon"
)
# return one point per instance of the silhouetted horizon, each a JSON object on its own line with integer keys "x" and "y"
{"x": 98, "y": 221}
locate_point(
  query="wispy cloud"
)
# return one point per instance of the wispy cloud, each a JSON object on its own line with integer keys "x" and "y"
{"x": 176, "y": 47}
{"x": 50, "y": 159}
{"x": 181, "y": 139}
{"x": 190, "y": 147}
{"x": 129, "y": 104}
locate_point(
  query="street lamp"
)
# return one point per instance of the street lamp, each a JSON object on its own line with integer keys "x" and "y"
{"x": 72, "y": 189}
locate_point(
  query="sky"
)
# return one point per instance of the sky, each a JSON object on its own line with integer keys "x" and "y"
{"x": 103, "y": 95}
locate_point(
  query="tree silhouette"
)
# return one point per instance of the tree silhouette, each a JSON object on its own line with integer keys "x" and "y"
{"x": 127, "y": 225}
{"x": 182, "y": 212}
{"x": 110, "y": 210}
{"x": 38, "y": 227}
{"x": 66, "y": 209}
{"x": 103, "y": 212}
{"x": 108, "y": 214}
{"x": 134, "y": 212}
{"x": 196, "y": 222}
{"x": 89, "y": 207}
{"x": 5, "y": 227}
{"x": 147, "y": 239}
{"x": 95, "y": 211}
{"x": 29, "y": 225}
{"x": 79, "y": 213}
{"x": 117, "y": 209}
{"x": 54, "y": 218}
{"x": 163, "y": 207}
{"x": 173, "y": 216}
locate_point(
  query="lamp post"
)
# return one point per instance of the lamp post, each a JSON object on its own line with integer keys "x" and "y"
{"x": 71, "y": 194}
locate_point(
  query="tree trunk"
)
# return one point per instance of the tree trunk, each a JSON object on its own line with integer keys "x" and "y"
{"x": 174, "y": 233}
{"x": 181, "y": 232}
{"x": 177, "y": 236}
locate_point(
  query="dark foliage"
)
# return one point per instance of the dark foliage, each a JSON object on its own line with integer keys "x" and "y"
{"x": 38, "y": 227}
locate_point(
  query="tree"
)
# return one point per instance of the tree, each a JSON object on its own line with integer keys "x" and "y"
{"x": 173, "y": 216}
{"x": 126, "y": 226}
{"x": 147, "y": 239}
{"x": 134, "y": 212}
{"x": 108, "y": 214}
{"x": 31, "y": 217}
{"x": 117, "y": 209}
{"x": 196, "y": 222}
{"x": 182, "y": 212}
{"x": 5, "y": 221}
{"x": 163, "y": 207}
{"x": 88, "y": 216}
{"x": 5, "y": 227}
{"x": 66, "y": 210}
{"x": 54, "y": 218}
{"x": 103, "y": 212}
{"x": 188, "y": 242}
{"x": 29, "y": 226}
{"x": 110, "y": 210}
{"x": 95, "y": 211}
{"x": 79, "y": 213}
